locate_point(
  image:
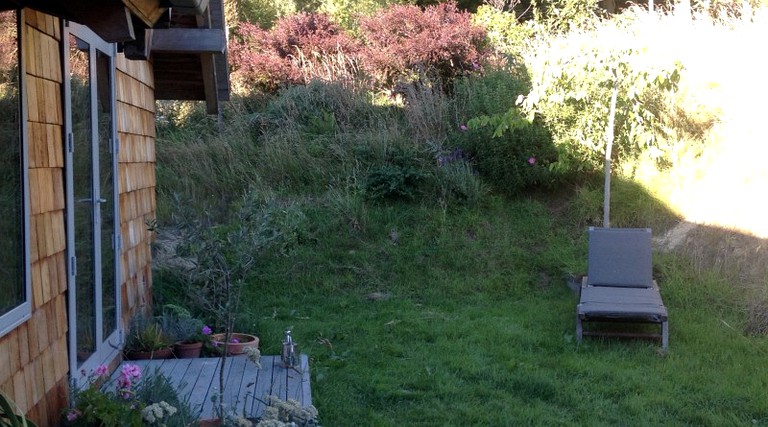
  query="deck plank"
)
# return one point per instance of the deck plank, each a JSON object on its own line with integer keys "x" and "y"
{"x": 246, "y": 387}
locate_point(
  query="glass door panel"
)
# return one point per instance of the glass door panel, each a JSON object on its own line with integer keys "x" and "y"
{"x": 106, "y": 190}
{"x": 83, "y": 189}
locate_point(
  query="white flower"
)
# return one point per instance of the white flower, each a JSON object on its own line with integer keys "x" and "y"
{"x": 254, "y": 355}
{"x": 170, "y": 410}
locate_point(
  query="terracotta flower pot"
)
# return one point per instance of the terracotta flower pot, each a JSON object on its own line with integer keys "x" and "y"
{"x": 187, "y": 350}
{"x": 237, "y": 342}
{"x": 163, "y": 353}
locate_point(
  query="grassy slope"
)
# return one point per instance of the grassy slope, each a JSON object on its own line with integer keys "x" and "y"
{"x": 466, "y": 319}
{"x": 478, "y": 327}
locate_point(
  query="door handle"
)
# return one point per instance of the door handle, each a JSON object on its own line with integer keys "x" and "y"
{"x": 89, "y": 200}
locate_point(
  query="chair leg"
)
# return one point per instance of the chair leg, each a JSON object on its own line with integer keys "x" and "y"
{"x": 579, "y": 330}
{"x": 664, "y": 334}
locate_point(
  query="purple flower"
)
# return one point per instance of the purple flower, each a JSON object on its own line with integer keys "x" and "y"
{"x": 72, "y": 415}
{"x": 463, "y": 128}
{"x": 101, "y": 371}
{"x": 207, "y": 330}
{"x": 532, "y": 161}
{"x": 235, "y": 340}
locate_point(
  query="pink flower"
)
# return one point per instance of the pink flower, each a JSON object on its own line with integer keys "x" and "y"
{"x": 131, "y": 371}
{"x": 101, "y": 371}
{"x": 532, "y": 161}
{"x": 124, "y": 383}
{"x": 463, "y": 128}
{"x": 207, "y": 330}
{"x": 129, "y": 374}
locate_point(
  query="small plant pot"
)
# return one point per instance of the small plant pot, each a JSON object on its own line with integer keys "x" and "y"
{"x": 187, "y": 350}
{"x": 163, "y": 353}
{"x": 234, "y": 348}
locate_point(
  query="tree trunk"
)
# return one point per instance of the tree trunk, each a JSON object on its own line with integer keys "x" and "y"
{"x": 608, "y": 150}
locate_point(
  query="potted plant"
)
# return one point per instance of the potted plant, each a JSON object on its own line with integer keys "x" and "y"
{"x": 146, "y": 340}
{"x": 237, "y": 342}
{"x": 188, "y": 333}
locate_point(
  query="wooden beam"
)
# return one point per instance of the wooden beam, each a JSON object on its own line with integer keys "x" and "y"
{"x": 198, "y": 6}
{"x": 216, "y": 13}
{"x": 141, "y": 48}
{"x": 111, "y": 21}
{"x": 209, "y": 83}
{"x": 188, "y": 40}
{"x": 149, "y": 11}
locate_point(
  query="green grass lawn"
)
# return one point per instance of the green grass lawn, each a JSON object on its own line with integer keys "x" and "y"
{"x": 464, "y": 318}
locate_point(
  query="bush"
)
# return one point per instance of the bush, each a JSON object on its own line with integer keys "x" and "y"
{"x": 505, "y": 35}
{"x": 307, "y": 107}
{"x": 458, "y": 180}
{"x": 400, "y": 175}
{"x": 403, "y": 42}
{"x": 255, "y": 64}
{"x": 264, "y": 13}
{"x": 310, "y": 32}
{"x": 267, "y": 60}
{"x": 512, "y": 161}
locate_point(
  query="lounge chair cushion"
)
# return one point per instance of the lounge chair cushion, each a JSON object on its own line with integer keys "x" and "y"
{"x": 642, "y": 304}
{"x": 620, "y": 257}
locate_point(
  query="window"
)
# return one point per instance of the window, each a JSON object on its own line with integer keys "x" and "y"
{"x": 14, "y": 285}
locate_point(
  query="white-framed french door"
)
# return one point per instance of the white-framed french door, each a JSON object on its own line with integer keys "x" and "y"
{"x": 92, "y": 192}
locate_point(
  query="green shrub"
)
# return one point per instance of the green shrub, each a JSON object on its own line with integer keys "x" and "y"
{"x": 516, "y": 161}
{"x": 505, "y": 34}
{"x": 493, "y": 92}
{"x": 402, "y": 177}
{"x": 264, "y": 13}
{"x": 459, "y": 182}
{"x": 512, "y": 161}
{"x": 306, "y": 107}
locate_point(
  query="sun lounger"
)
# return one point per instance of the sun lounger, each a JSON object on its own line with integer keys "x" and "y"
{"x": 619, "y": 285}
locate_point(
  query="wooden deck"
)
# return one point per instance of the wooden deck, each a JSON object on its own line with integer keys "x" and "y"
{"x": 246, "y": 387}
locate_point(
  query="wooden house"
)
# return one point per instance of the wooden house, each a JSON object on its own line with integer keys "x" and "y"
{"x": 78, "y": 85}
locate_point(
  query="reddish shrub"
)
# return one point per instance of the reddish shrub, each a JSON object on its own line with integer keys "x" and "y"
{"x": 254, "y": 62}
{"x": 310, "y": 32}
{"x": 266, "y": 60}
{"x": 439, "y": 41}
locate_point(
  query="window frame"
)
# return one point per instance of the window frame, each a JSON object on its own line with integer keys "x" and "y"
{"x": 22, "y": 312}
